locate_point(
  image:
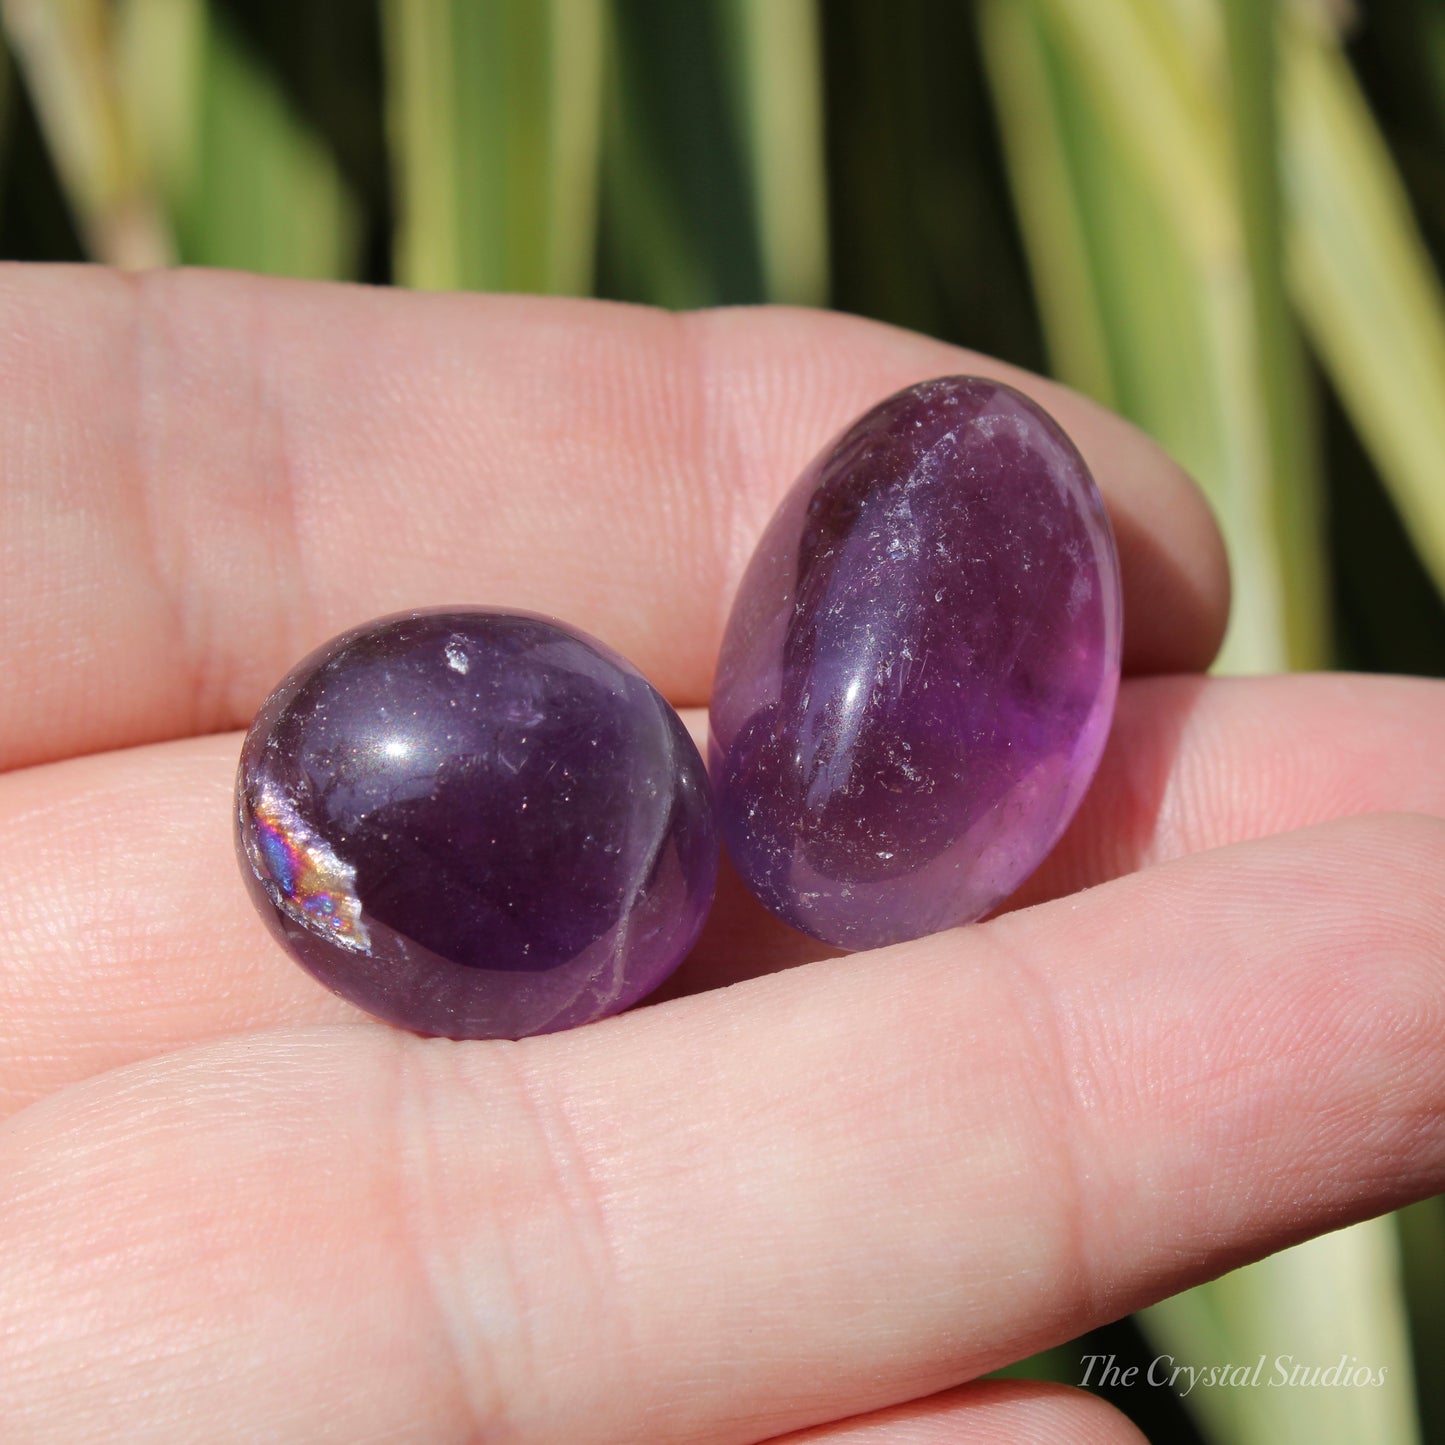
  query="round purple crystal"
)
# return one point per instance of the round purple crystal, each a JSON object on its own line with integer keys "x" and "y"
{"x": 476, "y": 824}
{"x": 920, "y": 668}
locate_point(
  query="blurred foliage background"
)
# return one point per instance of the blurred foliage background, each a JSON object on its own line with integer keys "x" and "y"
{"x": 1225, "y": 218}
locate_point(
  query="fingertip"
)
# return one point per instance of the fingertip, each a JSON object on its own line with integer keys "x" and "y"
{"x": 1175, "y": 567}
{"x": 787, "y": 379}
{"x": 1178, "y": 570}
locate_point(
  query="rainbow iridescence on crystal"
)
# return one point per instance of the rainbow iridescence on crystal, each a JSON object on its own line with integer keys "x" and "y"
{"x": 311, "y": 884}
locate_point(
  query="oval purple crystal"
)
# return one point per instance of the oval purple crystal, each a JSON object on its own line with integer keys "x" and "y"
{"x": 476, "y": 824}
{"x": 919, "y": 672}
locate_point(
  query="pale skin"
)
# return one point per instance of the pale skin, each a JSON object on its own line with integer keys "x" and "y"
{"x": 814, "y": 1199}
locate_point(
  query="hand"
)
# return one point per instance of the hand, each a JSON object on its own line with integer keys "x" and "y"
{"x": 235, "y": 1209}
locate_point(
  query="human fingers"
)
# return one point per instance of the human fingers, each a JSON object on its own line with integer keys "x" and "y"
{"x": 124, "y": 931}
{"x": 206, "y": 475}
{"x": 804, "y": 1197}
{"x": 990, "y": 1412}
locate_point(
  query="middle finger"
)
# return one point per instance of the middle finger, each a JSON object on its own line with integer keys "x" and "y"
{"x": 107, "y": 957}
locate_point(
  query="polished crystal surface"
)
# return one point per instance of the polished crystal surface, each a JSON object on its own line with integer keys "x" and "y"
{"x": 476, "y": 824}
{"x": 919, "y": 672}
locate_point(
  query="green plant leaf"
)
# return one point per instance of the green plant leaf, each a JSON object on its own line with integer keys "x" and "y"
{"x": 679, "y": 215}
{"x": 713, "y": 173}
{"x": 1151, "y": 222}
{"x": 1363, "y": 282}
{"x": 776, "y": 68}
{"x": 1422, "y": 1240}
{"x": 1284, "y": 396}
{"x": 1034, "y": 132}
{"x": 247, "y": 181}
{"x": 1336, "y": 1298}
{"x": 66, "y": 51}
{"x": 493, "y": 113}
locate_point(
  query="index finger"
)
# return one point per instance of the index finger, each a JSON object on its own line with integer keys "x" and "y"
{"x": 206, "y": 475}
{"x": 802, "y": 1197}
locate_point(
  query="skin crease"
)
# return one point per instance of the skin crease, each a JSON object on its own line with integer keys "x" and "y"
{"x": 253, "y": 1214}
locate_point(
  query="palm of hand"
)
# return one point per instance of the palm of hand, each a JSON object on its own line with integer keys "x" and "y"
{"x": 252, "y": 1213}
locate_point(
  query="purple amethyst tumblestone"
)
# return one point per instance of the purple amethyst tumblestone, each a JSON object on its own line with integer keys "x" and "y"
{"x": 476, "y": 824}
{"x": 920, "y": 668}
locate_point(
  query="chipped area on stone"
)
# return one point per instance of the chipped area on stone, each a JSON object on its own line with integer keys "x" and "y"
{"x": 920, "y": 668}
{"x": 303, "y": 876}
{"x": 456, "y": 655}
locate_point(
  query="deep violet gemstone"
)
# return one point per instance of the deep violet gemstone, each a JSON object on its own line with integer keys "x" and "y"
{"x": 919, "y": 672}
{"x": 476, "y": 824}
